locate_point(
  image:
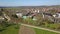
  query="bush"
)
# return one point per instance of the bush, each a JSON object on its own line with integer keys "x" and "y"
{"x": 17, "y": 26}
{"x": 5, "y": 24}
{"x": 54, "y": 26}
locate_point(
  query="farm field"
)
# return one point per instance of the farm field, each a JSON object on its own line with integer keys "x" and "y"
{"x": 10, "y": 30}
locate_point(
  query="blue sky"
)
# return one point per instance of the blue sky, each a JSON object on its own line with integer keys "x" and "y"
{"x": 28, "y": 2}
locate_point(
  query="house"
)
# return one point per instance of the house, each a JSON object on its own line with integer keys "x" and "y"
{"x": 57, "y": 17}
{"x": 19, "y": 15}
{"x": 36, "y": 11}
{"x": 48, "y": 16}
{"x": 29, "y": 15}
{"x": 25, "y": 15}
{"x": 54, "y": 15}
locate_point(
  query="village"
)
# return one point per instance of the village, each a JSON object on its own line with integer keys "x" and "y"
{"x": 45, "y": 13}
{"x": 29, "y": 16}
{"x": 42, "y": 17}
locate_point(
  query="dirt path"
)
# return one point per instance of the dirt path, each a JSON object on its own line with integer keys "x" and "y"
{"x": 26, "y": 30}
{"x": 40, "y": 28}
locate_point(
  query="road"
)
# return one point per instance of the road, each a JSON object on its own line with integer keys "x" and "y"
{"x": 26, "y": 30}
{"x": 40, "y": 28}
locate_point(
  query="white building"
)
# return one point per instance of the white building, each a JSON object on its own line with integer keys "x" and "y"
{"x": 36, "y": 11}
{"x": 57, "y": 15}
{"x": 54, "y": 15}
{"x": 19, "y": 14}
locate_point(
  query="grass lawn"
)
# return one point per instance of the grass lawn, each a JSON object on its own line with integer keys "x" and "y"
{"x": 39, "y": 31}
{"x": 10, "y": 30}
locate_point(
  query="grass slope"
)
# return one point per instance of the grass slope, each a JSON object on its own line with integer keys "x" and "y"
{"x": 10, "y": 30}
{"x": 39, "y": 31}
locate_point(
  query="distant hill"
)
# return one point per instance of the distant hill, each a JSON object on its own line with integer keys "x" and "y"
{"x": 29, "y": 6}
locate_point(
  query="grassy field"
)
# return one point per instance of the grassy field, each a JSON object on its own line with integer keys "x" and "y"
{"x": 10, "y": 30}
{"x": 39, "y": 31}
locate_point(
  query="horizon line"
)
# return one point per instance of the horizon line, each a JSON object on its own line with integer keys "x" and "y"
{"x": 26, "y": 5}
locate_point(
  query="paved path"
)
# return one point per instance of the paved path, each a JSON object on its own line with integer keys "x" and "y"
{"x": 26, "y": 30}
{"x": 41, "y": 28}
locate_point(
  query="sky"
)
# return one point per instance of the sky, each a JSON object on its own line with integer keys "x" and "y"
{"x": 28, "y": 2}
